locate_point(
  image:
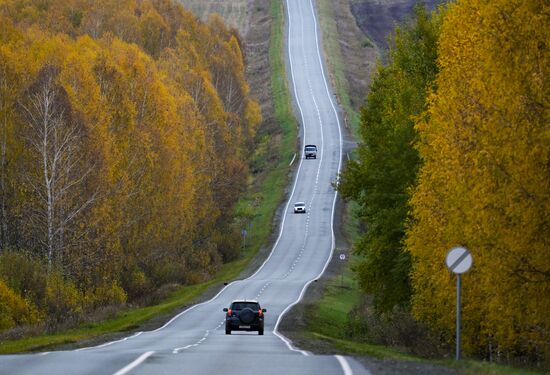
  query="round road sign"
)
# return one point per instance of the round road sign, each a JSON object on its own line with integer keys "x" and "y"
{"x": 459, "y": 260}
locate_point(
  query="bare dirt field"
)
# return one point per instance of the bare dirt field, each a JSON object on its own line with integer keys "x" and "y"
{"x": 235, "y": 12}
{"x": 377, "y": 18}
{"x": 347, "y": 49}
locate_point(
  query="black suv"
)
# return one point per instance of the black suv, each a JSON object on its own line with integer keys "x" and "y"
{"x": 244, "y": 315}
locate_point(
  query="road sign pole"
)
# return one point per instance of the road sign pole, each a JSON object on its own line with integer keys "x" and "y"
{"x": 458, "y": 260}
{"x": 458, "y": 287}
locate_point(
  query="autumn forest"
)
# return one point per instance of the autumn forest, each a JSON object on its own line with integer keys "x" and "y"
{"x": 455, "y": 151}
{"x": 125, "y": 129}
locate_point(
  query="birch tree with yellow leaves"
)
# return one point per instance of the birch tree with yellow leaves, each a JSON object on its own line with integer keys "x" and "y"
{"x": 125, "y": 128}
{"x": 54, "y": 134}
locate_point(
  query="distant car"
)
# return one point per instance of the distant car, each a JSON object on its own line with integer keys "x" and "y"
{"x": 310, "y": 151}
{"x": 300, "y": 208}
{"x": 244, "y": 315}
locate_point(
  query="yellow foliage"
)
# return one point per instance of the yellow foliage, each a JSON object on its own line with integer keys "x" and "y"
{"x": 104, "y": 295}
{"x": 485, "y": 181}
{"x": 167, "y": 125}
{"x": 63, "y": 299}
{"x": 14, "y": 310}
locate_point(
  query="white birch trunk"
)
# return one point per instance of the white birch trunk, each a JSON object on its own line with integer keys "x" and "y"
{"x": 55, "y": 137}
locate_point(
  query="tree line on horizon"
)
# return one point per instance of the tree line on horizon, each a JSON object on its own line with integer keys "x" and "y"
{"x": 455, "y": 150}
{"x": 125, "y": 130}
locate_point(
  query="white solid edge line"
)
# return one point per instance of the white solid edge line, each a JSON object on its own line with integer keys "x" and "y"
{"x": 297, "y": 173}
{"x": 275, "y": 330}
{"x": 109, "y": 343}
{"x": 134, "y": 364}
{"x": 345, "y": 365}
{"x": 265, "y": 261}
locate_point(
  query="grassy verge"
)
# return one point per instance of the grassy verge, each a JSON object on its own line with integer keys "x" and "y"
{"x": 327, "y": 321}
{"x": 262, "y": 201}
{"x": 335, "y": 63}
{"x": 328, "y": 317}
{"x": 279, "y": 86}
{"x": 124, "y": 321}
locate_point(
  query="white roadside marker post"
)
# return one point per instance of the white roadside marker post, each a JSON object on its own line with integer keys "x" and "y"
{"x": 342, "y": 258}
{"x": 458, "y": 260}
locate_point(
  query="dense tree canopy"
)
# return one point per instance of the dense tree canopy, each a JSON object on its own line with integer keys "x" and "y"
{"x": 125, "y": 128}
{"x": 485, "y": 178}
{"x": 455, "y": 151}
{"x": 385, "y": 170}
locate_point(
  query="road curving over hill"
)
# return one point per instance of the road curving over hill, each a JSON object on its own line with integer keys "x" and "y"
{"x": 194, "y": 341}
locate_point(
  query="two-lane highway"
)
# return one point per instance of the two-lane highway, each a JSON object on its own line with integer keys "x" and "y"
{"x": 194, "y": 342}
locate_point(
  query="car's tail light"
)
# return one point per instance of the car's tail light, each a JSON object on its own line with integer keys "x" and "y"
{"x": 229, "y": 312}
{"x": 260, "y": 313}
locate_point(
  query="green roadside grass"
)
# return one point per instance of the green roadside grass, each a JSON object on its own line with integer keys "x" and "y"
{"x": 327, "y": 321}
{"x": 335, "y": 63}
{"x": 263, "y": 197}
{"x": 127, "y": 320}
{"x": 279, "y": 89}
{"x": 263, "y": 203}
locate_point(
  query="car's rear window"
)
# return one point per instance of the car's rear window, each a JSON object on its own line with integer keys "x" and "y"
{"x": 311, "y": 148}
{"x": 244, "y": 305}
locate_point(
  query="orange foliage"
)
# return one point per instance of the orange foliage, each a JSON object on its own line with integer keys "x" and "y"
{"x": 166, "y": 127}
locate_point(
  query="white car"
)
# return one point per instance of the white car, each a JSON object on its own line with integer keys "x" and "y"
{"x": 300, "y": 208}
{"x": 310, "y": 151}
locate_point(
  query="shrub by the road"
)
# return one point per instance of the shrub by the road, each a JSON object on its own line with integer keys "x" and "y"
{"x": 14, "y": 310}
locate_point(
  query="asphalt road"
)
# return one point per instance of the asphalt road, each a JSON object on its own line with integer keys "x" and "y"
{"x": 194, "y": 342}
